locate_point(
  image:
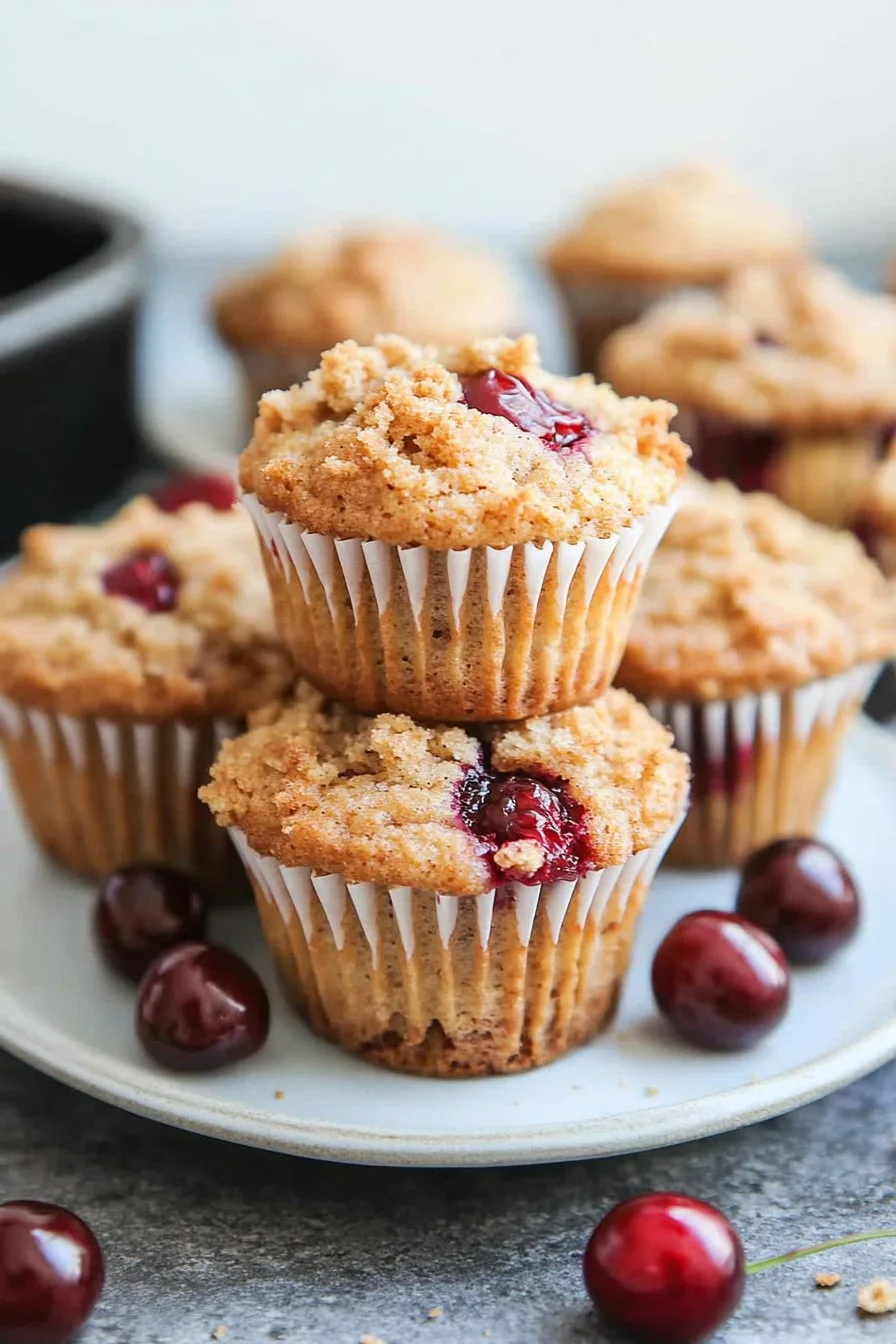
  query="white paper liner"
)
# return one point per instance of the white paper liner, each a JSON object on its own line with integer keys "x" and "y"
{"x": 583, "y": 899}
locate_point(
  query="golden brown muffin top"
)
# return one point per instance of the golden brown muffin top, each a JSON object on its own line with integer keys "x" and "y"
{"x": 798, "y": 348}
{"x": 378, "y": 444}
{"x": 689, "y": 225}
{"x": 746, "y": 595}
{"x": 330, "y": 287}
{"x": 69, "y": 646}
{"x": 380, "y": 799}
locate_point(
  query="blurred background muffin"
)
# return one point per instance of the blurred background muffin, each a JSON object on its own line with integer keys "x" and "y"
{"x": 692, "y": 225}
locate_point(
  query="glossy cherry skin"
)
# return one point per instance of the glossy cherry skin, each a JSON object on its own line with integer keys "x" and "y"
{"x": 529, "y": 408}
{"x": 51, "y": 1273}
{"x": 218, "y": 491}
{"x": 722, "y": 982}
{"x": 500, "y": 809}
{"x": 664, "y": 1268}
{"x": 145, "y": 577}
{"x": 803, "y": 894}
{"x": 201, "y": 1007}
{"x": 143, "y": 910}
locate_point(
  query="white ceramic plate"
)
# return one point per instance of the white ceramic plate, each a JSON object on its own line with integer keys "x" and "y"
{"x": 637, "y": 1087}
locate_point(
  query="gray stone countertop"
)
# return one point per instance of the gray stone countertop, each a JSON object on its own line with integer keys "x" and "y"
{"x": 203, "y": 1236}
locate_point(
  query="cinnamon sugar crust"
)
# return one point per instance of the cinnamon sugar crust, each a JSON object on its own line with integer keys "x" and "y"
{"x": 690, "y": 225}
{"x": 794, "y": 347}
{"x": 326, "y": 288}
{"x": 374, "y": 799}
{"x": 746, "y": 595}
{"x": 377, "y": 444}
{"x": 67, "y": 647}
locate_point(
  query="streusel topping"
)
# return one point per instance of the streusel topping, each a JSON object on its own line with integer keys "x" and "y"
{"x": 378, "y": 444}
{"x": 690, "y": 225}
{"x": 327, "y": 288}
{"x": 798, "y": 348}
{"x": 377, "y": 799}
{"x": 68, "y": 646}
{"x": 746, "y": 595}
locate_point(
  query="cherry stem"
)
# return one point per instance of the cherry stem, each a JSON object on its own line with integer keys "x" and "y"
{"x": 773, "y": 1261}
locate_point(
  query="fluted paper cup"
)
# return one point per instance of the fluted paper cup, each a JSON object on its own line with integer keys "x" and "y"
{"x": 761, "y": 764}
{"x": 264, "y": 369}
{"x": 452, "y": 985}
{"x": 463, "y": 635}
{"x": 99, "y": 793}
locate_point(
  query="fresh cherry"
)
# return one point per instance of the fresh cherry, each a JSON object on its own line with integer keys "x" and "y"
{"x": 665, "y": 1268}
{"x": 51, "y": 1273}
{"x": 501, "y": 809}
{"x": 801, "y": 893}
{"x": 145, "y": 577}
{"x": 200, "y": 1007}
{"x": 210, "y": 488}
{"x": 143, "y": 910}
{"x": 722, "y": 982}
{"x": 527, "y": 407}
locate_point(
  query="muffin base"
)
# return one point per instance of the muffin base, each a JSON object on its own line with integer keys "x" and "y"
{"x": 762, "y": 765}
{"x": 263, "y": 370}
{"x": 596, "y": 308}
{"x": 98, "y": 794}
{"x": 450, "y": 986}
{"x": 465, "y": 635}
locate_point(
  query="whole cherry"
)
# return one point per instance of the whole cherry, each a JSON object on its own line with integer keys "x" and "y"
{"x": 722, "y": 982}
{"x": 51, "y": 1273}
{"x": 144, "y": 909}
{"x": 803, "y": 894}
{"x": 665, "y": 1268}
{"x": 201, "y": 1007}
{"x": 145, "y": 577}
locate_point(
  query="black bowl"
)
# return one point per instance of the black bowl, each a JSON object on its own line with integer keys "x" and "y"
{"x": 71, "y": 283}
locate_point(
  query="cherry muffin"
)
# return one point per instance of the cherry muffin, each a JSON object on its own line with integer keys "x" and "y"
{"x": 787, "y": 383}
{"x": 693, "y": 225}
{"x": 757, "y": 639}
{"x": 127, "y": 651}
{"x": 324, "y": 289}
{"x": 457, "y": 537}
{"x": 877, "y": 519}
{"x": 444, "y": 901}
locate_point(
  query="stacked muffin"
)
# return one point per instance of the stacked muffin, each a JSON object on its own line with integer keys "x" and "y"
{"x": 450, "y": 854}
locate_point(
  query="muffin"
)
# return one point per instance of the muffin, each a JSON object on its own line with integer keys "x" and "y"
{"x": 458, "y": 537}
{"x": 692, "y": 226}
{"x": 325, "y": 289}
{"x": 786, "y": 379}
{"x": 446, "y": 902}
{"x": 877, "y": 517}
{"x": 757, "y": 639}
{"x": 127, "y": 651}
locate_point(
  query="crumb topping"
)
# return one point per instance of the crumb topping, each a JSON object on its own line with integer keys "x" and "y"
{"x": 326, "y": 288}
{"x": 796, "y": 347}
{"x": 690, "y": 225}
{"x": 744, "y": 594}
{"x": 67, "y": 646}
{"x": 375, "y": 799}
{"x": 378, "y": 444}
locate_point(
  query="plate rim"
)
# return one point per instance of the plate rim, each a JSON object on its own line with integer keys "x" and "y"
{"x": 159, "y": 1097}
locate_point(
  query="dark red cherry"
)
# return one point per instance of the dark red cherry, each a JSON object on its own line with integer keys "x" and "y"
{"x": 664, "y": 1268}
{"x": 210, "y": 488}
{"x": 722, "y": 982}
{"x": 51, "y": 1273}
{"x": 145, "y": 577}
{"x": 143, "y": 910}
{"x": 500, "y": 809}
{"x": 801, "y": 893}
{"x": 527, "y": 407}
{"x": 201, "y": 1007}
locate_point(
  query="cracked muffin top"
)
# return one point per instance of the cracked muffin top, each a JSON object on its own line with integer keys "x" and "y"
{"x": 327, "y": 288}
{"x": 448, "y": 809}
{"x": 474, "y": 446}
{"x": 151, "y": 615}
{"x": 690, "y": 225}
{"x": 795, "y": 347}
{"x": 746, "y": 595}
